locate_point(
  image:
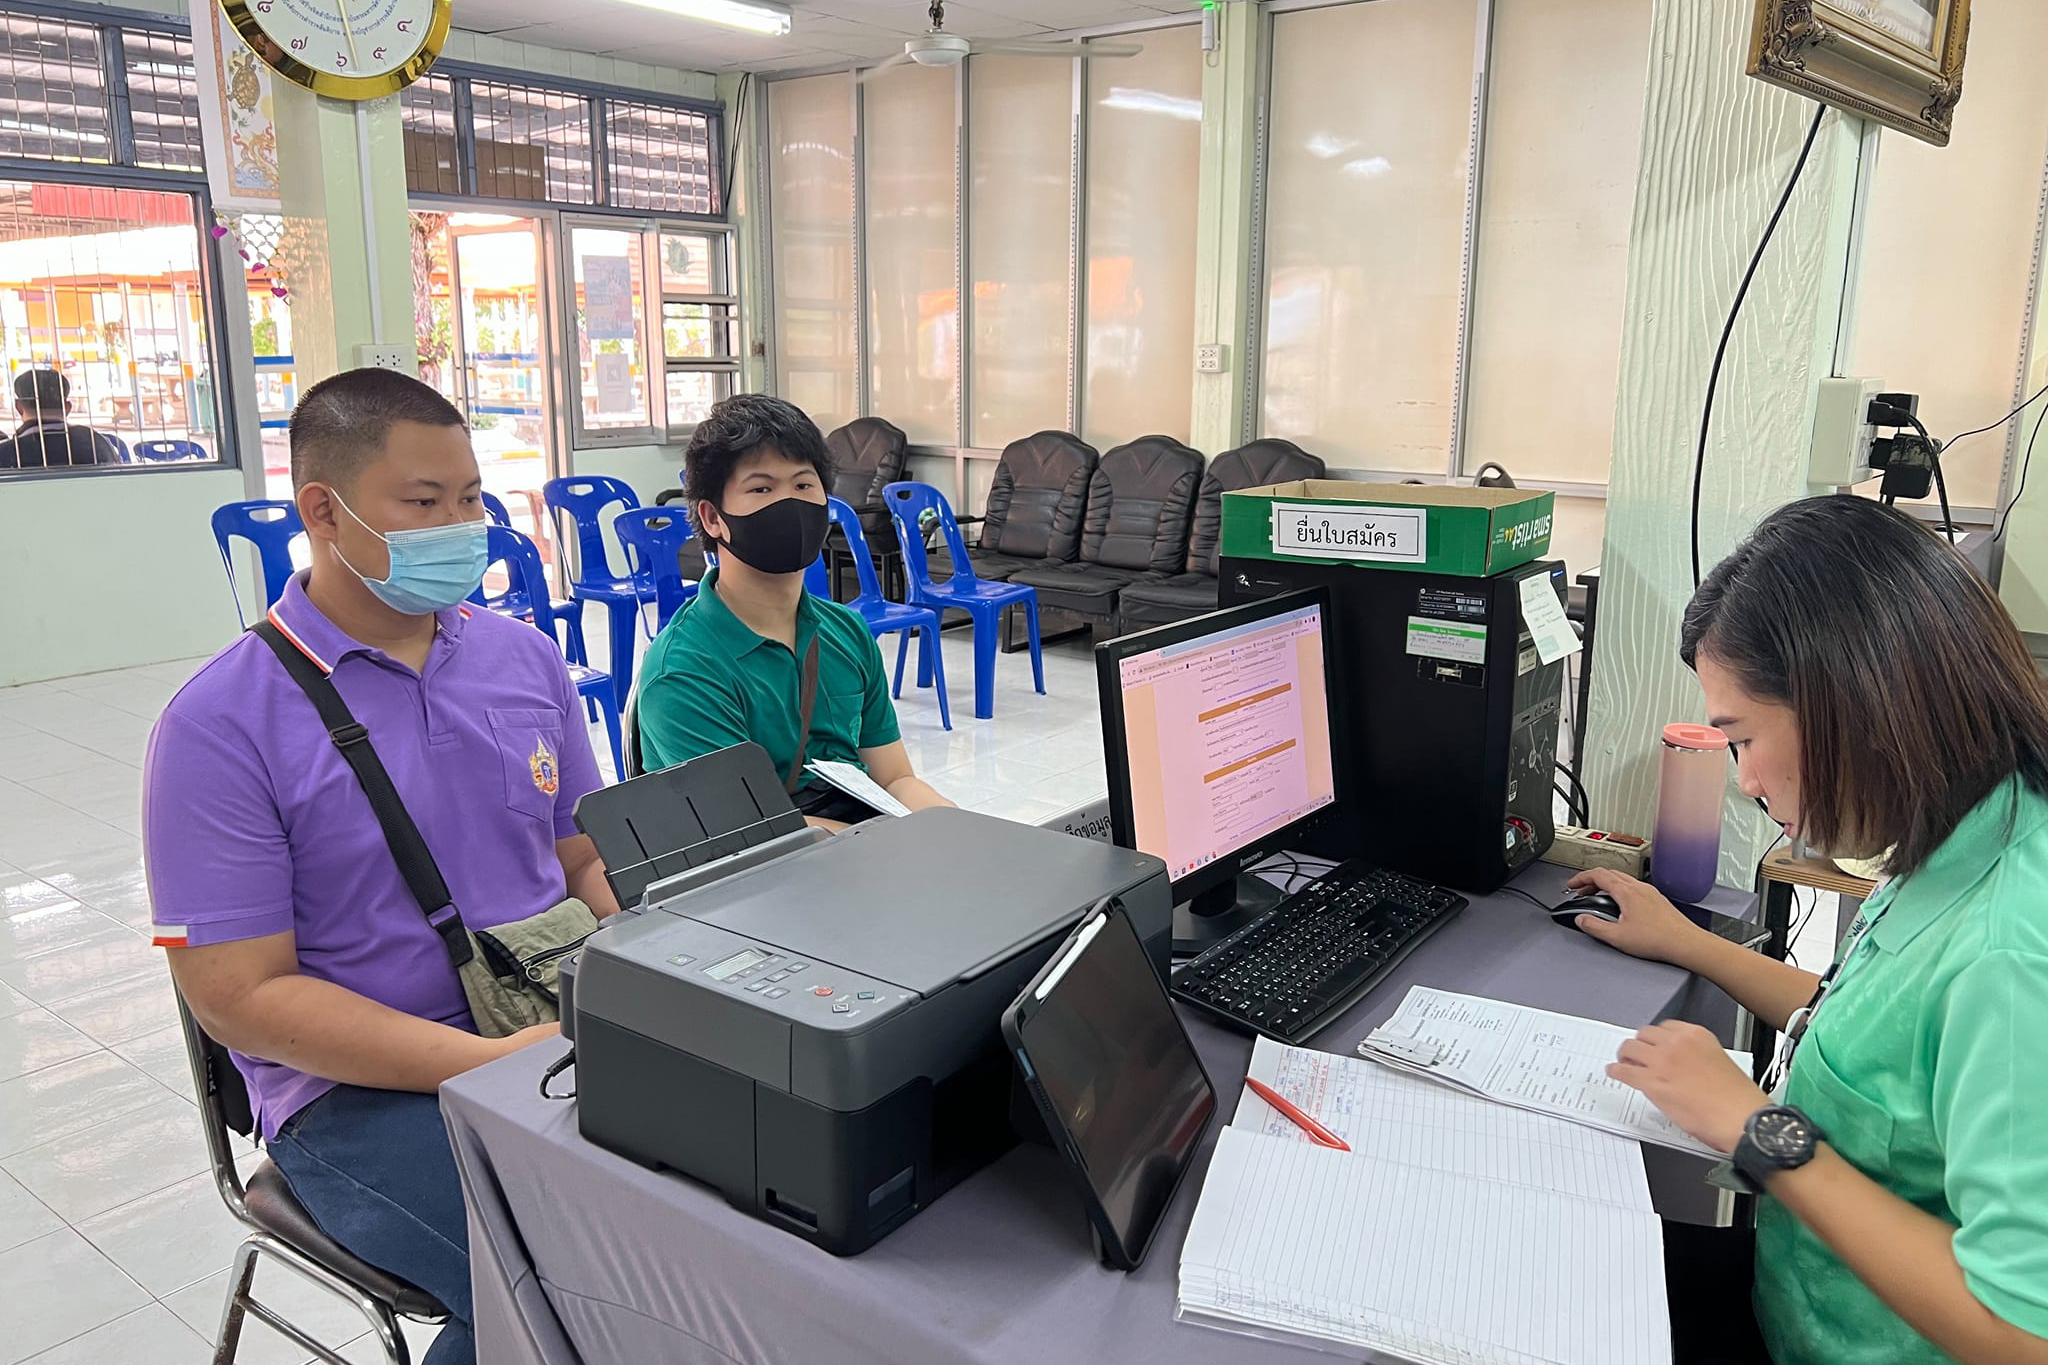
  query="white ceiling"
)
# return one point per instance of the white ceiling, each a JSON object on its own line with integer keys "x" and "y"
{"x": 825, "y": 32}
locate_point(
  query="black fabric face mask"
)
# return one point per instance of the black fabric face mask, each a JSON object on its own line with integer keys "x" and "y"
{"x": 783, "y": 537}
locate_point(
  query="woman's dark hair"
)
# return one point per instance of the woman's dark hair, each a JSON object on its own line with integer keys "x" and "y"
{"x": 738, "y": 427}
{"x": 1914, "y": 694}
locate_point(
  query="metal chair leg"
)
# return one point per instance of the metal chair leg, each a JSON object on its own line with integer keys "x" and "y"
{"x": 229, "y": 1340}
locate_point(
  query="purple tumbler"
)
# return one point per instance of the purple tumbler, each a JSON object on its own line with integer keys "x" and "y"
{"x": 1690, "y": 781}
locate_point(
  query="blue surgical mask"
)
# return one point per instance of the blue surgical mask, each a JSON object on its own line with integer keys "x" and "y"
{"x": 432, "y": 567}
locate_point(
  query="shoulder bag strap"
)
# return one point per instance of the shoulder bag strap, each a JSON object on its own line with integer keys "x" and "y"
{"x": 806, "y": 698}
{"x": 408, "y": 849}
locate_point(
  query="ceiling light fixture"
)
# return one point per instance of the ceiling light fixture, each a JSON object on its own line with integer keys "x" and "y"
{"x": 754, "y": 16}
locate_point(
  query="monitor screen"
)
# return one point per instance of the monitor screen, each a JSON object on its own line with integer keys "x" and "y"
{"x": 1227, "y": 736}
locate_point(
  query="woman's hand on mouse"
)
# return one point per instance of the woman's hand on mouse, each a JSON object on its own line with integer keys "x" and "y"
{"x": 1650, "y": 926}
{"x": 1682, "y": 1069}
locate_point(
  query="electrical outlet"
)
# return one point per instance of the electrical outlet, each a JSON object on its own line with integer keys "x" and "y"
{"x": 1842, "y": 432}
{"x": 1212, "y": 359}
{"x": 396, "y": 355}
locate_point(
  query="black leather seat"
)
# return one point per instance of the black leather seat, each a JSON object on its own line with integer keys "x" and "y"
{"x": 1193, "y": 591}
{"x": 1035, "y": 507}
{"x": 272, "y": 1204}
{"x": 1141, "y": 503}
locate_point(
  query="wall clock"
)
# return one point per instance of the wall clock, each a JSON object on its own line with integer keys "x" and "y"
{"x": 348, "y": 49}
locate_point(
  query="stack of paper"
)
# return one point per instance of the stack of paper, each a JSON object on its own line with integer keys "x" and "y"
{"x": 1552, "y": 1064}
{"x": 1455, "y": 1231}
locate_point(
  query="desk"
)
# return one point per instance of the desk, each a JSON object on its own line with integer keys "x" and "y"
{"x": 581, "y": 1257}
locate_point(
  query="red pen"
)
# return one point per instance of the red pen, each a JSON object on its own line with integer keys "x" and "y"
{"x": 1317, "y": 1133}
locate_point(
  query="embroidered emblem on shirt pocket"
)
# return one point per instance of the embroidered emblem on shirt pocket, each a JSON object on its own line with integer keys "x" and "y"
{"x": 547, "y": 778}
{"x": 529, "y": 745}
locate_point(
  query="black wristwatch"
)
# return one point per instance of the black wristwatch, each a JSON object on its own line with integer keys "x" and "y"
{"x": 1775, "y": 1138}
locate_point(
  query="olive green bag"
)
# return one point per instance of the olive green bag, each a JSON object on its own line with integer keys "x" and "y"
{"x": 509, "y": 971}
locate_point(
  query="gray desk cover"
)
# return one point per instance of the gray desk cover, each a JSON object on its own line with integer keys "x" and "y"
{"x": 580, "y": 1256}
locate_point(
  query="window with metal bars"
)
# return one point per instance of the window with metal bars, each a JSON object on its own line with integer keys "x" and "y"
{"x": 482, "y": 136}
{"x": 163, "y": 100}
{"x": 659, "y": 158}
{"x": 532, "y": 144}
{"x": 53, "y": 90}
{"x": 427, "y": 110}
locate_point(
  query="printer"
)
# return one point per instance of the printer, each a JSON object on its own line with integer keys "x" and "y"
{"x": 809, "y": 1023}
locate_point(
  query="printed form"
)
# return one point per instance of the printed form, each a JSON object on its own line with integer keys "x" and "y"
{"x": 1531, "y": 1059}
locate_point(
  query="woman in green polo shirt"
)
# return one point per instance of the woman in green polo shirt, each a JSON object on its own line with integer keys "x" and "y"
{"x": 1880, "y": 702}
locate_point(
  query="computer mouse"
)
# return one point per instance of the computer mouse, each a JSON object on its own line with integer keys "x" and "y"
{"x": 1598, "y": 904}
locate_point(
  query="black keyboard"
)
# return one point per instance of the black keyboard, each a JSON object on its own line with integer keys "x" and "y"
{"x": 1309, "y": 958}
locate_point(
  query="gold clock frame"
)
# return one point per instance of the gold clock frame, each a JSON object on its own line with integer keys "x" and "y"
{"x": 241, "y": 14}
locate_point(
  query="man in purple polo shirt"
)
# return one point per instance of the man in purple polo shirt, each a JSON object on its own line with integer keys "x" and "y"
{"x": 292, "y": 935}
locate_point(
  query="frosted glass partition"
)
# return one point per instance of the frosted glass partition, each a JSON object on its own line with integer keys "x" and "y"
{"x": 1364, "y": 230}
{"x": 912, "y": 280}
{"x": 810, "y": 167}
{"x": 1143, "y": 177}
{"x": 1563, "y": 128}
{"x": 1948, "y": 248}
{"x": 1020, "y": 188}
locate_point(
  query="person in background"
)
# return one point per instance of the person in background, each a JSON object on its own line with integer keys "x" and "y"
{"x": 1880, "y": 702}
{"x": 292, "y": 935}
{"x": 45, "y": 440}
{"x": 730, "y": 666}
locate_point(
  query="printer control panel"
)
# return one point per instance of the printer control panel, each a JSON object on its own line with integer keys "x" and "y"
{"x": 788, "y": 985}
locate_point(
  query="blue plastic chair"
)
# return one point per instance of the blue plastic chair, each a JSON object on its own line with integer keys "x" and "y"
{"x": 654, "y": 538}
{"x": 909, "y": 505}
{"x": 517, "y": 601}
{"x": 521, "y": 558}
{"x": 584, "y": 498}
{"x": 156, "y": 452}
{"x": 270, "y": 525}
{"x": 883, "y": 616}
{"x": 495, "y": 509}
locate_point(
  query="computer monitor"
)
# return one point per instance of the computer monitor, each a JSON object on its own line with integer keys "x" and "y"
{"x": 1216, "y": 735}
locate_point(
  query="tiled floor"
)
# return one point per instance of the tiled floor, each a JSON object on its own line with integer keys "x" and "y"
{"x": 114, "y": 1245}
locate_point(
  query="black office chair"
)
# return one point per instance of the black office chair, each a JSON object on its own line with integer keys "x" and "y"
{"x": 1035, "y": 508}
{"x": 1141, "y": 509}
{"x": 1195, "y": 590}
{"x": 868, "y": 454}
{"x": 279, "y": 1226}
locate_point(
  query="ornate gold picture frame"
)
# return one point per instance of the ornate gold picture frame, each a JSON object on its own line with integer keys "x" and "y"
{"x": 1897, "y": 61}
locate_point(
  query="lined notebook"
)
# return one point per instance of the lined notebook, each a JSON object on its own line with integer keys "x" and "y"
{"x": 1455, "y": 1232}
{"x": 1553, "y": 1064}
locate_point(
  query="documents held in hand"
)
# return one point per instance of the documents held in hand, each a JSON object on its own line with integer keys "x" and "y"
{"x": 1454, "y": 1232}
{"x": 1549, "y": 1063}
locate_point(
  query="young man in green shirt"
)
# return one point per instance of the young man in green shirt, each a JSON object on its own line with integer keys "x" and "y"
{"x": 731, "y": 665}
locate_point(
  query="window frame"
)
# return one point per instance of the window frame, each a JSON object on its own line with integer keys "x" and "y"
{"x": 597, "y": 97}
{"x": 722, "y": 295}
{"x": 120, "y": 172}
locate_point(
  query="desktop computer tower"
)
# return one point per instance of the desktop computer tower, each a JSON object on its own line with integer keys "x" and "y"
{"x": 1445, "y": 719}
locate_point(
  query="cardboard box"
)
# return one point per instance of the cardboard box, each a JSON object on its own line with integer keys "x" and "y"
{"x": 1423, "y": 528}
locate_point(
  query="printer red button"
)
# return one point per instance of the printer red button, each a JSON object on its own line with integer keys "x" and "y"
{"x": 821, "y": 990}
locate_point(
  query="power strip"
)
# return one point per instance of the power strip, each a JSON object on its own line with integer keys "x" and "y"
{"x": 1584, "y": 848}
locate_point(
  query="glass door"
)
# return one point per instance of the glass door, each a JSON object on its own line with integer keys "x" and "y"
{"x": 485, "y": 344}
